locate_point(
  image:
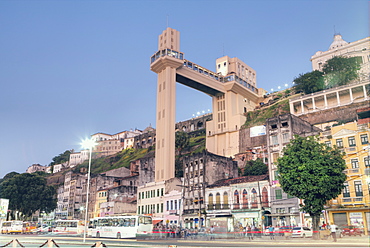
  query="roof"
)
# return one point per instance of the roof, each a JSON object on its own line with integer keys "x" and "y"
{"x": 244, "y": 179}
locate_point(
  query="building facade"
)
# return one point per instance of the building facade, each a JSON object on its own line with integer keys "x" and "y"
{"x": 352, "y": 206}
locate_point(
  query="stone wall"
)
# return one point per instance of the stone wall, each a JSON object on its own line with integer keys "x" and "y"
{"x": 343, "y": 113}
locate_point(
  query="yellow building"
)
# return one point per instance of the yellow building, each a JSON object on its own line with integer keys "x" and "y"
{"x": 101, "y": 197}
{"x": 352, "y": 206}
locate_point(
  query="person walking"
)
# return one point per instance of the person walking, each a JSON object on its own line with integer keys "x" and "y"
{"x": 333, "y": 230}
{"x": 271, "y": 231}
{"x": 212, "y": 232}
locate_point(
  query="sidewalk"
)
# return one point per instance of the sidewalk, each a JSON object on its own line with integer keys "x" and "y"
{"x": 347, "y": 241}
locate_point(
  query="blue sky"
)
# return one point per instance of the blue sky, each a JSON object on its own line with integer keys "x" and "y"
{"x": 69, "y": 69}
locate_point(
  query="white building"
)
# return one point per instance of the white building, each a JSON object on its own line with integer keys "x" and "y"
{"x": 340, "y": 47}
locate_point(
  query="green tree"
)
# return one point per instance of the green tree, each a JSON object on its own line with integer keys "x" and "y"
{"x": 309, "y": 82}
{"x": 28, "y": 193}
{"x": 181, "y": 141}
{"x": 61, "y": 158}
{"x": 341, "y": 70}
{"x": 255, "y": 168}
{"x": 311, "y": 171}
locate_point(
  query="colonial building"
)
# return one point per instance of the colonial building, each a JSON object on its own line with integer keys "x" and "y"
{"x": 151, "y": 198}
{"x": 353, "y": 205}
{"x": 242, "y": 201}
{"x": 280, "y": 130}
{"x": 200, "y": 170}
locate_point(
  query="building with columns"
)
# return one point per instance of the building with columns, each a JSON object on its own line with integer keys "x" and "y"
{"x": 330, "y": 98}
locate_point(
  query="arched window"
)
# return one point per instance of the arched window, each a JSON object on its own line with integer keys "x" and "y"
{"x": 218, "y": 201}
{"x": 265, "y": 197}
{"x": 236, "y": 199}
{"x": 254, "y": 198}
{"x": 245, "y": 199}
{"x": 225, "y": 204}
{"x": 210, "y": 201}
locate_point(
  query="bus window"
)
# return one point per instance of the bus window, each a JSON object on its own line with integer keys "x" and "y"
{"x": 145, "y": 220}
{"x": 132, "y": 222}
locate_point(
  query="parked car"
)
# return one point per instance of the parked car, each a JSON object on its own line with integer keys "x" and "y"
{"x": 352, "y": 231}
{"x": 301, "y": 232}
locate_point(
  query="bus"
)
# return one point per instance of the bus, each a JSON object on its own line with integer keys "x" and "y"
{"x": 136, "y": 226}
{"x": 10, "y": 227}
{"x": 28, "y": 227}
{"x": 69, "y": 227}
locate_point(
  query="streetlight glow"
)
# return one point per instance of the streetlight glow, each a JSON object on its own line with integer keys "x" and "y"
{"x": 87, "y": 144}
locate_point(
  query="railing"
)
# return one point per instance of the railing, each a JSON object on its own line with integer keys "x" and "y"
{"x": 200, "y": 69}
{"x": 166, "y": 52}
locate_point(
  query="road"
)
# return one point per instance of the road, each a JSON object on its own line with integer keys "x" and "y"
{"x": 64, "y": 241}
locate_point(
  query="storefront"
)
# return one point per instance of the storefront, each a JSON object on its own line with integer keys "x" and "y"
{"x": 248, "y": 218}
{"x": 356, "y": 217}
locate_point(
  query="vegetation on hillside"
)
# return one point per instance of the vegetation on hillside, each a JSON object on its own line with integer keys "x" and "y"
{"x": 121, "y": 159}
{"x": 259, "y": 116}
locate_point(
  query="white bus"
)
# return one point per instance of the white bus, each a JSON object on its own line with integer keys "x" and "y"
{"x": 136, "y": 226}
{"x": 14, "y": 226}
{"x": 69, "y": 227}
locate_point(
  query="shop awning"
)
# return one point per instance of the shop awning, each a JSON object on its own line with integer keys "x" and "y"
{"x": 155, "y": 222}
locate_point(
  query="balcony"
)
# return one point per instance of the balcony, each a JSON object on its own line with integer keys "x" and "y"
{"x": 352, "y": 172}
{"x": 353, "y": 200}
{"x": 350, "y": 150}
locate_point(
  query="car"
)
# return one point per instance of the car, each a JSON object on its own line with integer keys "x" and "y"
{"x": 301, "y": 232}
{"x": 352, "y": 230}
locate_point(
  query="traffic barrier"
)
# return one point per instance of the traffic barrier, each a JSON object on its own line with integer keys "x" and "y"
{"x": 50, "y": 243}
{"x": 99, "y": 244}
{"x": 14, "y": 242}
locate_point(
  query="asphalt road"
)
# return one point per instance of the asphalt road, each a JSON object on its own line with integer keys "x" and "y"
{"x": 64, "y": 241}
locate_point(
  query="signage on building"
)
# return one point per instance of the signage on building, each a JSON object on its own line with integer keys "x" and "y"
{"x": 257, "y": 131}
{"x": 4, "y": 203}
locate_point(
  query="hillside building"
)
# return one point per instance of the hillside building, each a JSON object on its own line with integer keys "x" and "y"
{"x": 353, "y": 205}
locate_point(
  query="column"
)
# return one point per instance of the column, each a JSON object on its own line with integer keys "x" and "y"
{"x": 338, "y": 100}
{"x": 302, "y": 107}
{"x": 326, "y": 102}
{"x": 313, "y": 104}
{"x": 364, "y": 89}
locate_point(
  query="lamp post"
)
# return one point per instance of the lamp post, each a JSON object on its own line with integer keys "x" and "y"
{"x": 87, "y": 144}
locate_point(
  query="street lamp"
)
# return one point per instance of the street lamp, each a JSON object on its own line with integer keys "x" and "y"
{"x": 87, "y": 144}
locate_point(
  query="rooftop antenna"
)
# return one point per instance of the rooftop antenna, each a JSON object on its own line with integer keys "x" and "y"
{"x": 335, "y": 32}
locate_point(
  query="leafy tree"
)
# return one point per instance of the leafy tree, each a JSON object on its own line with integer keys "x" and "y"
{"x": 28, "y": 193}
{"x": 341, "y": 70}
{"x": 309, "y": 82}
{"x": 255, "y": 168}
{"x": 311, "y": 171}
{"x": 181, "y": 141}
{"x": 61, "y": 158}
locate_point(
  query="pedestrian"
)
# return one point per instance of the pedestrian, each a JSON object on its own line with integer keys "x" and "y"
{"x": 212, "y": 231}
{"x": 333, "y": 230}
{"x": 249, "y": 232}
{"x": 271, "y": 231}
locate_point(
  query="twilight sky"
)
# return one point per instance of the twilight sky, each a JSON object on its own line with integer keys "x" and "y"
{"x": 69, "y": 69}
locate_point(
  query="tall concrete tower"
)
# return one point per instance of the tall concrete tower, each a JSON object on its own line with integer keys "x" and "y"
{"x": 167, "y": 60}
{"x": 232, "y": 88}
